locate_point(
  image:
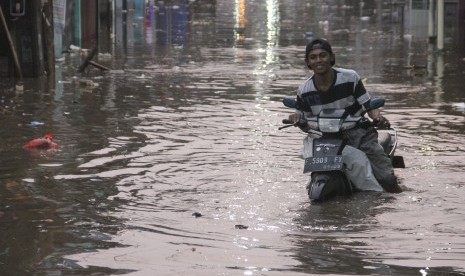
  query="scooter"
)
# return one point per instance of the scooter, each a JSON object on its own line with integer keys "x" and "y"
{"x": 325, "y": 148}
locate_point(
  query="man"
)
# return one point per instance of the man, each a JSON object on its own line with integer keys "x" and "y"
{"x": 342, "y": 88}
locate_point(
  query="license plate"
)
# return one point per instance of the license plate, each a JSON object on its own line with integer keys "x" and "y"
{"x": 324, "y": 163}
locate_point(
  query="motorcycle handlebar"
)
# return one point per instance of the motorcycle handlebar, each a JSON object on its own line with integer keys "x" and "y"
{"x": 287, "y": 122}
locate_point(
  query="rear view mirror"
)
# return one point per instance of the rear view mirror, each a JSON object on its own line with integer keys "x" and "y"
{"x": 290, "y": 102}
{"x": 377, "y": 103}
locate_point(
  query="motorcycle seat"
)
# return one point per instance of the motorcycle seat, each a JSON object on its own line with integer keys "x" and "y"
{"x": 384, "y": 139}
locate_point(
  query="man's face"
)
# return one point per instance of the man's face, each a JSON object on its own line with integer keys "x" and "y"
{"x": 319, "y": 61}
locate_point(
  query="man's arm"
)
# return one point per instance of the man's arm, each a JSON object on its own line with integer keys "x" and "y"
{"x": 379, "y": 120}
{"x": 374, "y": 113}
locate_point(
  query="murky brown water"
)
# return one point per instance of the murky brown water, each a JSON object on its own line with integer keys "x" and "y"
{"x": 192, "y": 126}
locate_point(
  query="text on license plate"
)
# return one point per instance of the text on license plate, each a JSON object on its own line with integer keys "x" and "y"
{"x": 326, "y": 163}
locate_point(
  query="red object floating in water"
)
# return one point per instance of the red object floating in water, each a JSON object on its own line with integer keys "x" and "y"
{"x": 42, "y": 143}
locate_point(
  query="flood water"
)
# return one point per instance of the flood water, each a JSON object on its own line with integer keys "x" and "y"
{"x": 187, "y": 123}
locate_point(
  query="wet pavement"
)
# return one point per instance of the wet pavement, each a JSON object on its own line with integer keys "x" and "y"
{"x": 172, "y": 163}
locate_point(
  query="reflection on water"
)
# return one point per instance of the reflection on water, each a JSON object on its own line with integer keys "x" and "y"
{"x": 187, "y": 123}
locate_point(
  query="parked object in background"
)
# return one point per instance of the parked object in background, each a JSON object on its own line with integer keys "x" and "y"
{"x": 88, "y": 60}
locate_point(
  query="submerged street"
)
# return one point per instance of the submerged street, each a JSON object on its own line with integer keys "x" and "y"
{"x": 172, "y": 162}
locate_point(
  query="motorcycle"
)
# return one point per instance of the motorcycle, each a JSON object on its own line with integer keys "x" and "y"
{"x": 329, "y": 158}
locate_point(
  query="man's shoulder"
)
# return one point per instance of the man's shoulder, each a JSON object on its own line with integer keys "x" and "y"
{"x": 346, "y": 71}
{"x": 347, "y": 74}
{"x": 307, "y": 85}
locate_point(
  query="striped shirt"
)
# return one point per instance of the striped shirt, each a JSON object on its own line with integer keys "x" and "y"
{"x": 347, "y": 91}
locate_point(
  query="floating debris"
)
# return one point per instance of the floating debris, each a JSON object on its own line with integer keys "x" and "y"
{"x": 240, "y": 226}
{"x": 37, "y": 123}
{"x": 19, "y": 87}
{"x": 88, "y": 83}
{"x": 459, "y": 106}
{"x": 44, "y": 142}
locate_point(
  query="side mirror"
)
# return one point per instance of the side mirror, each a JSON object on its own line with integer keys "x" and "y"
{"x": 290, "y": 102}
{"x": 377, "y": 103}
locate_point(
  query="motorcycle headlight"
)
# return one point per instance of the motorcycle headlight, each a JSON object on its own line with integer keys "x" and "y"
{"x": 329, "y": 125}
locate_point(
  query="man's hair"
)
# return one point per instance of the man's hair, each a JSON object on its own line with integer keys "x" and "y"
{"x": 319, "y": 43}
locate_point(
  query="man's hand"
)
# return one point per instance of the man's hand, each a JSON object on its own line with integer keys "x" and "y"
{"x": 381, "y": 122}
{"x": 295, "y": 118}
